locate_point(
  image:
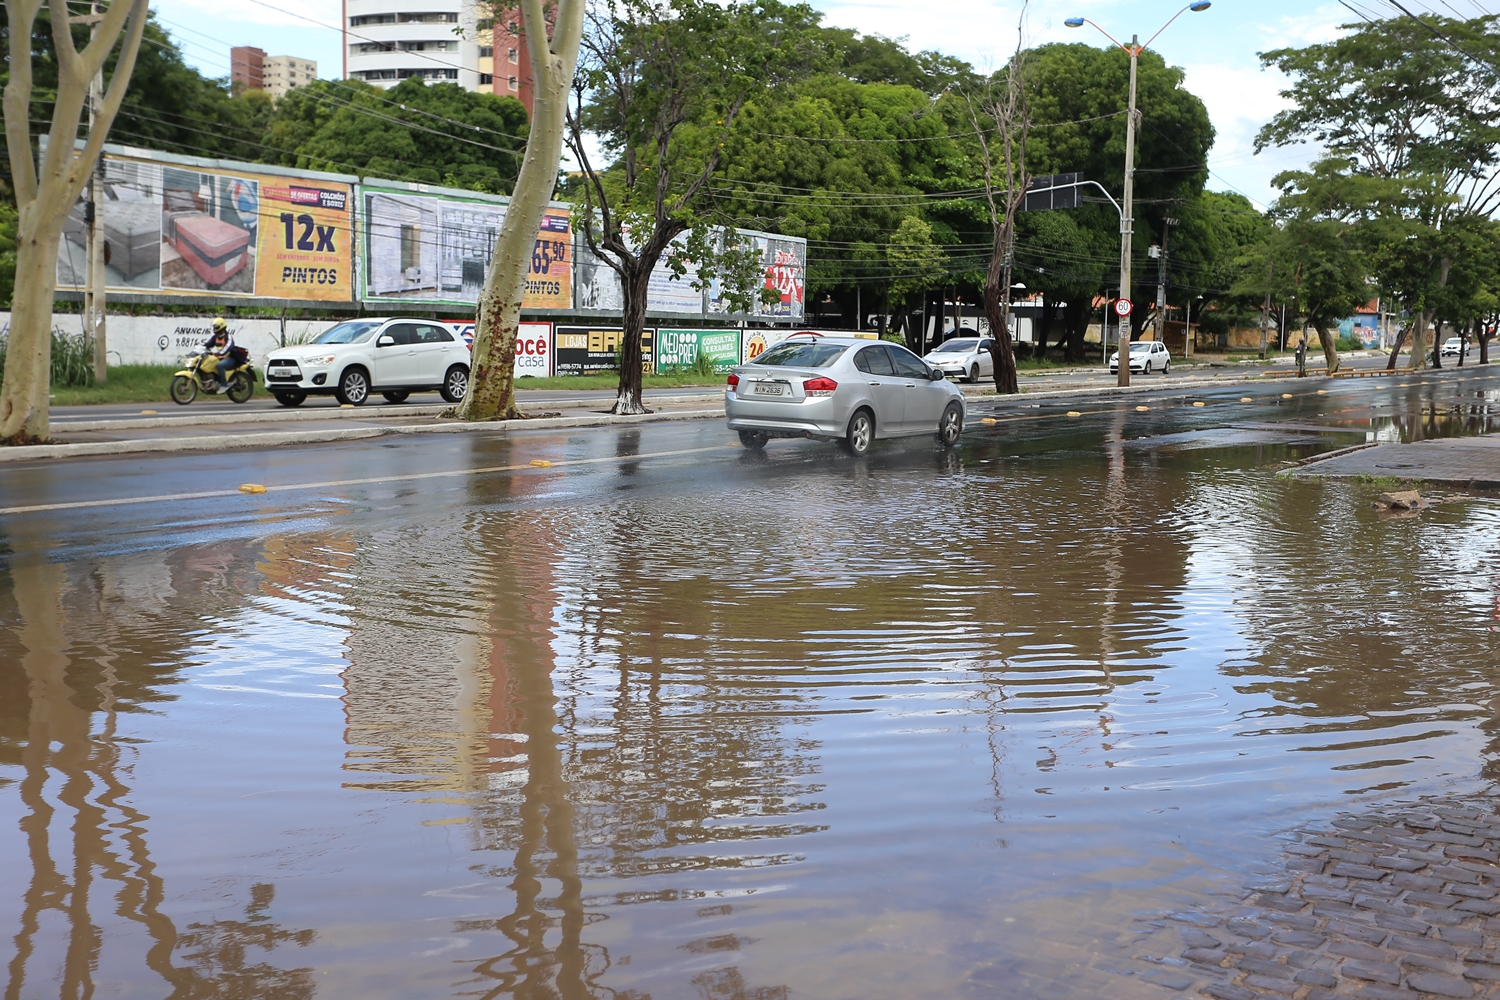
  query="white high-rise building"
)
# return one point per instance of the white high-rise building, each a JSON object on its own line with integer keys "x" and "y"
{"x": 386, "y": 41}
{"x": 282, "y": 73}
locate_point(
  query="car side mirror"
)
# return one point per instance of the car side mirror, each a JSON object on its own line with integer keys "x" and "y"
{"x": 935, "y": 375}
{"x": 386, "y": 341}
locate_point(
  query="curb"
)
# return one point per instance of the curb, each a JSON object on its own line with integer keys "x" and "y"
{"x": 271, "y": 439}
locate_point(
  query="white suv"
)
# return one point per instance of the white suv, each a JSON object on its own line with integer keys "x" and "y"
{"x": 394, "y": 357}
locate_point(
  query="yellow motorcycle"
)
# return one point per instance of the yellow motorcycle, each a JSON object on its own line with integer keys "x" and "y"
{"x": 200, "y": 374}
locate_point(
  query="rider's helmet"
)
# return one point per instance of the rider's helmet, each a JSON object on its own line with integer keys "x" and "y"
{"x": 220, "y": 326}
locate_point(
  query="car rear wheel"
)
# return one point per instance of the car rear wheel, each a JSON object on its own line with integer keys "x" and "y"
{"x": 396, "y": 397}
{"x": 353, "y": 388}
{"x": 290, "y": 398}
{"x": 754, "y": 440}
{"x": 456, "y": 384}
{"x": 1166, "y": 369}
{"x": 861, "y": 433}
{"x": 951, "y": 426}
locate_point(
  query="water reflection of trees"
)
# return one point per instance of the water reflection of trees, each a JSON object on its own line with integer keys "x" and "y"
{"x": 79, "y": 647}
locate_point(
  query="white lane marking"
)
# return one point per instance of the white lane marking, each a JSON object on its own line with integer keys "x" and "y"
{"x": 370, "y": 481}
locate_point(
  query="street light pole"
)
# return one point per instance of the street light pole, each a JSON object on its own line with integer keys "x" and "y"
{"x": 1127, "y": 217}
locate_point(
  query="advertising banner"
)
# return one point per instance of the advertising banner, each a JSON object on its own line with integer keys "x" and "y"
{"x": 678, "y": 350}
{"x": 533, "y": 346}
{"x": 435, "y": 246}
{"x": 183, "y": 226}
{"x": 785, "y": 265}
{"x": 584, "y": 350}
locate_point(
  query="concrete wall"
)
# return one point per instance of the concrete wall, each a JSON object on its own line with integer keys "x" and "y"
{"x": 165, "y": 340}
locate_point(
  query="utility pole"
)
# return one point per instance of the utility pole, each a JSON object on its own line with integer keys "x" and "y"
{"x": 1127, "y": 222}
{"x": 1161, "y": 279}
{"x": 93, "y": 221}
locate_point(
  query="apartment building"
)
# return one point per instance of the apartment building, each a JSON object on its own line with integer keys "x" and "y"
{"x": 508, "y": 65}
{"x": 387, "y": 41}
{"x": 282, "y": 73}
{"x": 246, "y": 68}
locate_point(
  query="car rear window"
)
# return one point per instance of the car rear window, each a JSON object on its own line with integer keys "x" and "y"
{"x": 801, "y": 354}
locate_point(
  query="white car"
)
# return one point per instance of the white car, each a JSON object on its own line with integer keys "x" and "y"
{"x": 1146, "y": 356}
{"x": 394, "y": 357}
{"x": 1452, "y": 347}
{"x": 964, "y": 357}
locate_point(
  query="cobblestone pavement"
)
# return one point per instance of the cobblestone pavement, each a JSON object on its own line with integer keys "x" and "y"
{"x": 1400, "y": 902}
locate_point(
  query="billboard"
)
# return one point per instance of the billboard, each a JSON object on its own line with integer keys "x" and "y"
{"x": 429, "y": 245}
{"x": 783, "y": 270}
{"x": 191, "y": 227}
{"x": 592, "y": 350}
{"x": 677, "y": 350}
{"x": 533, "y": 346}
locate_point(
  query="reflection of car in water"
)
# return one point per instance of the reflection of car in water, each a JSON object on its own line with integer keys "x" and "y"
{"x": 394, "y": 357}
{"x": 844, "y": 389}
{"x": 965, "y": 357}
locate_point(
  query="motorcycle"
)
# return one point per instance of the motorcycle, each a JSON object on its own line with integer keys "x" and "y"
{"x": 193, "y": 379}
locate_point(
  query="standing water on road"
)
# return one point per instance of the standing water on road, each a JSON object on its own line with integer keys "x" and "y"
{"x": 670, "y": 719}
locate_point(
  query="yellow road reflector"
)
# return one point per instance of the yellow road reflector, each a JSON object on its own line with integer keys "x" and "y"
{"x": 988, "y": 420}
{"x": 1286, "y": 395}
{"x": 1074, "y": 413}
{"x": 1322, "y": 392}
{"x": 252, "y": 488}
{"x": 540, "y": 463}
{"x": 1246, "y": 399}
{"x": 346, "y": 406}
{"x": 1199, "y": 402}
{"x": 148, "y": 413}
{"x": 1142, "y": 409}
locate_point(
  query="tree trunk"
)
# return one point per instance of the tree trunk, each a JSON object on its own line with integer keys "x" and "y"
{"x": 1390, "y": 363}
{"x": 492, "y": 381}
{"x": 628, "y": 399}
{"x": 28, "y": 359}
{"x": 1330, "y": 346}
{"x": 1418, "y": 359}
{"x": 1002, "y": 350}
{"x": 1075, "y": 326}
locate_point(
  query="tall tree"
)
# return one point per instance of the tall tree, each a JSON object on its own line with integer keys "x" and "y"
{"x": 1410, "y": 100}
{"x": 661, "y": 84}
{"x": 46, "y": 191}
{"x": 553, "y": 61}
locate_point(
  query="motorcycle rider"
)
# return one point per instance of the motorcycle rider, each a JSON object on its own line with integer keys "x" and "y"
{"x": 221, "y": 345}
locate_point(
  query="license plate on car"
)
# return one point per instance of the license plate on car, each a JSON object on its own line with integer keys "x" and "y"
{"x": 764, "y": 389}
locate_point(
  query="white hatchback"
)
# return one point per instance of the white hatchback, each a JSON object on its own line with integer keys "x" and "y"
{"x": 1145, "y": 356}
{"x": 394, "y": 357}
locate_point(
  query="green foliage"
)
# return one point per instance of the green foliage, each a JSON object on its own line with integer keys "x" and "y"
{"x": 916, "y": 261}
{"x": 72, "y": 358}
{"x": 8, "y": 220}
{"x": 353, "y": 127}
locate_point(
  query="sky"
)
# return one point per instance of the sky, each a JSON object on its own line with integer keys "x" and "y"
{"x": 1217, "y": 48}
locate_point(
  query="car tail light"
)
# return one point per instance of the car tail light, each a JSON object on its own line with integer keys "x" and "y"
{"x": 820, "y": 386}
{"x": 734, "y": 380}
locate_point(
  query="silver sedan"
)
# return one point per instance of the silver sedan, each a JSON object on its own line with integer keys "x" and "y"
{"x": 841, "y": 389}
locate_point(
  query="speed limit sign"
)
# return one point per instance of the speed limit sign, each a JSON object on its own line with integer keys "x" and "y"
{"x": 1123, "y": 307}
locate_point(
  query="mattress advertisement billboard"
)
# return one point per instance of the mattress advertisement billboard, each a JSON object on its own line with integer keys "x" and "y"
{"x": 179, "y": 226}
{"x": 423, "y": 245}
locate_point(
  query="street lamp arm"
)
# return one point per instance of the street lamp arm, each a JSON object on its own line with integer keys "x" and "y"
{"x": 1106, "y": 34}
{"x": 1174, "y": 17}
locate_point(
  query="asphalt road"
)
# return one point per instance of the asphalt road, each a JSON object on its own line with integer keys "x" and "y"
{"x": 535, "y": 399}
{"x": 130, "y": 500}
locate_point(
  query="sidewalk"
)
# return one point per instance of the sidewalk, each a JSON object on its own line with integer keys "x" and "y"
{"x": 1463, "y": 463}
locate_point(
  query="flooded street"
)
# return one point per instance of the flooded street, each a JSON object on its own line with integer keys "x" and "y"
{"x": 669, "y": 719}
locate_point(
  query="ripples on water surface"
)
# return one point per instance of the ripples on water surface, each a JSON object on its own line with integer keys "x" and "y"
{"x": 711, "y": 728}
